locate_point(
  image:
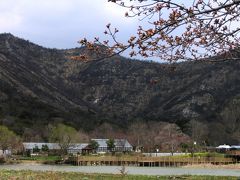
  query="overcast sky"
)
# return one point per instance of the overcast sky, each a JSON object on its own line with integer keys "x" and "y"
{"x": 61, "y": 23}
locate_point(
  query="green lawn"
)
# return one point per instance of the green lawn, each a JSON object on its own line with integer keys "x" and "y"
{"x": 32, "y": 175}
{"x": 41, "y": 158}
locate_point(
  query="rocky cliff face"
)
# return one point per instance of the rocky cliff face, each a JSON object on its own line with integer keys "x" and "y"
{"x": 39, "y": 85}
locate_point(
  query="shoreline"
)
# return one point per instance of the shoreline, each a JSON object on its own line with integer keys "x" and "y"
{"x": 229, "y": 166}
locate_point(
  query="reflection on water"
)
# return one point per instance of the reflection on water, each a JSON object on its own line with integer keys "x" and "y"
{"x": 130, "y": 170}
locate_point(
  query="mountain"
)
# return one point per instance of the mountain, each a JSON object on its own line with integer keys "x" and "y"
{"x": 40, "y": 86}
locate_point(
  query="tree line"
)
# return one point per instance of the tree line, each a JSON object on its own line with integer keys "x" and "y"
{"x": 147, "y": 137}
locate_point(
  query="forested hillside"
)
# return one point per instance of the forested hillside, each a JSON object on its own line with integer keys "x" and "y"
{"x": 40, "y": 86}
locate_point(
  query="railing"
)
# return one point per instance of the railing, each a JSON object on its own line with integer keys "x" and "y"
{"x": 157, "y": 161}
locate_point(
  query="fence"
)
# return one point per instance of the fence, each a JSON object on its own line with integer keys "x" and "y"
{"x": 149, "y": 161}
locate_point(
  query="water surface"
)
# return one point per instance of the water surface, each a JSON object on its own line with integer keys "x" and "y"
{"x": 129, "y": 170}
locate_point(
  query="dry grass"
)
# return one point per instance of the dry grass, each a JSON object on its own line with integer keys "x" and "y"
{"x": 38, "y": 175}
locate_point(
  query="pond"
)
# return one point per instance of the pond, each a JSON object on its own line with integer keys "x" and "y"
{"x": 129, "y": 170}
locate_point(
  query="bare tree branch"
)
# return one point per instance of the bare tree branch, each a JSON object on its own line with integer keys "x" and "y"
{"x": 190, "y": 31}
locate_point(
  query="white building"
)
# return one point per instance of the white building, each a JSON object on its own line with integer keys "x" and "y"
{"x": 121, "y": 145}
{"x": 224, "y": 146}
{"x": 73, "y": 148}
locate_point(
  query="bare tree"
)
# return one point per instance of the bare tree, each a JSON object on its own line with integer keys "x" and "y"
{"x": 65, "y": 136}
{"x": 8, "y": 140}
{"x": 199, "y": 132}
{"x": 171, "y": 137}
{"x": 165, "y": 136}
{"x": 174, "y": 30}
{"x": 137, "y": 134}
{"x": 107, "y": 130}
{"x": 231, "y": 118}
{"x": 83, "y": 136}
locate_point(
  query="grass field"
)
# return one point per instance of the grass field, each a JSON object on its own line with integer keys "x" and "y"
{"x": 38, "y": 175}
{"x": 41, "y": 158}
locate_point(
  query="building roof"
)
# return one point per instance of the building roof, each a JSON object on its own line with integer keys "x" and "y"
{"x": 117, "y": 142}
{"x": 51, "y": 146}
{"x": 235, "y": 147}
{"x": 122, "y": 143}
{"x": 223, "y": 147}
{"x": 31, "y": 145}
{"x": 78, "y": 146}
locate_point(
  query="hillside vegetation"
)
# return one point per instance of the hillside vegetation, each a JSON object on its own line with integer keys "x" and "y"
{"x": 39, "y": 86}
